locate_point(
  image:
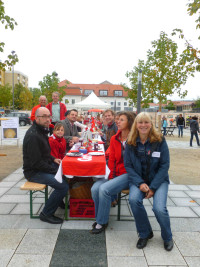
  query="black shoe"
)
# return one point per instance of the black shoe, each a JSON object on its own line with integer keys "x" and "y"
{"x": 169, "y": 245}
{"x": 142, "y": 242}
{"x": 94, "y": 225}
{"x": 62, "y": 205}
{"x": 50, "y": 219}
{"x": 96, "y": 231}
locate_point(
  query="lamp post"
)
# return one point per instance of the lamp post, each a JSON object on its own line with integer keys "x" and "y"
{"x": 13, "y": 53}
{"x": 139, "y": 91}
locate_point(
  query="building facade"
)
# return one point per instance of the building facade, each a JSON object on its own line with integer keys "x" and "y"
{"x": 107, "y": 92}
{"x": 7, "y": 78}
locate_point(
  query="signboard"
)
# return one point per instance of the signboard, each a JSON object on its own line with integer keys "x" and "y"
{"x": 10, "y": 128}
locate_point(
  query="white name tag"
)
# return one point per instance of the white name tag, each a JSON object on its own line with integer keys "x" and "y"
{"x": 156, "y": 154}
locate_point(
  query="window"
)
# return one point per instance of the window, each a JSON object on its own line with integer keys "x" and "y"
{"x": 118, "y": 108}
{"x": 128, "y": 109}
{"x": 125, "y": 104}
{"x": 119, "y": 103}
{"x": 73, "y": 101}
{"x": 112, "y": 103}
{"x": 103, "y": 92}
{"x": 118, "y": 93}
{"x": 88, "y": 92}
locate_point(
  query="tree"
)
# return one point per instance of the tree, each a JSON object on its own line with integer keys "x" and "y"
{"x": 50, "y": 85}
{"x": 170, "y": 105}
{"x": 36, "y": 93}
{"x": 5, "y": 95}
{"x": 9, "y": 23}
{"x": 23, "y": 97}
{"x": 197, "y": 103}
{"x": 163, "y": 73}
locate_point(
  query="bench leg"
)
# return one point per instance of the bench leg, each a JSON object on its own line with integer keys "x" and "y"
{"x": 119, "y": 207}
{"x": 66, "y": 207}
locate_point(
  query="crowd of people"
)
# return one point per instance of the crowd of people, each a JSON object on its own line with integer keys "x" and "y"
{"x": 136, "y": 153}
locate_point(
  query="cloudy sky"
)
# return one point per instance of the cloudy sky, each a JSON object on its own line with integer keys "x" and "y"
{"x": 90, "y": 41}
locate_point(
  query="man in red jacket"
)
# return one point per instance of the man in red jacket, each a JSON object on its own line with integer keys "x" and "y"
{"x": 56, "y": 108}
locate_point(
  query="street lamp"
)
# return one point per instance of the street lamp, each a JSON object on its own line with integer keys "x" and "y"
{"x": 13, "y": 53}
{"x": 139, "y": 91}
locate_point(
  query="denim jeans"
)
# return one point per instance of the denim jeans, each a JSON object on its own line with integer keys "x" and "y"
{"x": 164, "y": 131}
{"x": 102, "y": 191}
{"x": 180, "y": 130}
{"x": 191, "y": 138}
{"x": 159, "y": 208}
{"x": 56, "y": 196}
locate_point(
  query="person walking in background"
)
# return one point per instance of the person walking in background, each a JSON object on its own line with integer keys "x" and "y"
{"x": 194, "y": 130}
{"x": 180, "y": 125}
{"x": 56, "y": 108}
{"x": 42, "y": 103}
{"x": 146, "y": 161}
{"x": 164, "y": 126}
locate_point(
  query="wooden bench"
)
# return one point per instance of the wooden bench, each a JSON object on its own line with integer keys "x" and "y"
{"x": 34, "y": 188}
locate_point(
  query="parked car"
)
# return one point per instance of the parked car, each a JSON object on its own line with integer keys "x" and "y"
{"x": 23, "y": 117}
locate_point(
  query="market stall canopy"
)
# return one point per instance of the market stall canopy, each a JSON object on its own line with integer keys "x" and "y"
{"x": 92, "y": 101}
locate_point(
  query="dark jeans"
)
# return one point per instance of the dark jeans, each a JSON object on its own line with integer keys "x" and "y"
{"x": 191, "y": 138}
{"x": 180, "y": 130}
{"x": 56, "y": 196}
{"x": 164, "y": 131}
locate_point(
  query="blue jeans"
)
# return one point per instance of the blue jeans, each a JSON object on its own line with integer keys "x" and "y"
{"x": 180, "y": 130}
{"x": 56, "y": 196}
{"x": 191, "y": 138}
{"x": 164, "y": 130}
{"x": 159, "y": 208}
{"x": 102, "y": 191}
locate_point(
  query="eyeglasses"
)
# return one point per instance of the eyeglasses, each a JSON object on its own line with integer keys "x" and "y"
{"x": 45, "y": 117}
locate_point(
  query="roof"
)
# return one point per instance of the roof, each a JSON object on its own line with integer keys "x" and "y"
{"x": 74, "y": 89}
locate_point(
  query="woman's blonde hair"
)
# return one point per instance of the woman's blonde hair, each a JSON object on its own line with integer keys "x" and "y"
{"x": 154, "y": 135}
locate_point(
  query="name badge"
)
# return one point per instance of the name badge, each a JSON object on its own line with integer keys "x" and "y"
{"x": 156, "y": 154}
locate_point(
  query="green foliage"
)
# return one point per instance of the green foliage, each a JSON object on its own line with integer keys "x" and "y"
{"x": 49, "y": 84}
{"x": 23, "y": 97}
{"x": 9, "y": 23}
{"x": 36, "y": 93}
{"x": 5, "y": 96}
{"x": 197, "y": 103}
{"x": 170, "y": 105}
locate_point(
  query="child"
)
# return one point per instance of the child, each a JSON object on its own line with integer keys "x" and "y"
{"x": 57, "y": 141}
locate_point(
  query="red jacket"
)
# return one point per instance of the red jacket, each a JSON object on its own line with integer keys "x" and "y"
{"x": 116, "y": 161}
{"x": 63, "y": 109}
{"x": 33, "y": 112}
{"x": 58, "y": 146}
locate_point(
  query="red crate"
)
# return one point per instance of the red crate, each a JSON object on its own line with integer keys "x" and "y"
{"x": 83, "y": 208}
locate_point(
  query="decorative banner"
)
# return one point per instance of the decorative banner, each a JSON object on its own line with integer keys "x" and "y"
{"x": 10, "y": 128}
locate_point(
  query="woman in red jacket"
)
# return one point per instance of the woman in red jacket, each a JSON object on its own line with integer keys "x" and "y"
{"x": 103, "y": 190}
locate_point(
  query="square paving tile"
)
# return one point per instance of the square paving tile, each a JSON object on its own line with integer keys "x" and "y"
{"x": 193, "y": 261}
{"x": 161, "y": 257}
{"x": 122, "y": 244}
{"x": 25, "y": 209}
{"x": 188, "y": 243}
{"x": 194, "y": 187}
{"x": 177, "y": 193}
{"x": 3, "y": 190}
{"x": 13, "y": 177}
{"x": 10, "y": 238}
{"x": 7, "y": 184}
{"x": 178, "y": 187}
{"x": 127, "y": 261}
{"x": 193, "y": 194}
{"x": 5, "y": 256}
{"x": 196, "y": 210}
{"x": 30, "y": 260}
{"x": 181, "y": 212}
{"x": 14, "y": 199}
{"x": 184, "y": 202}
{"x": 16, "y": 191}
{"x": 74, "y": 224}
{"x": 5, "y": 208}
{"x": 38, "y": 242}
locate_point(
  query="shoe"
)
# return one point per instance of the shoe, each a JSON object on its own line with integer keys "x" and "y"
{"x": 62, "y": 205}
{"x": 50, "y": 219}
{"x": 94, "y": 225}
{"x": 96, "y": 231}
{"x": 142, "y": 242}
{"x": 169, "y": 245}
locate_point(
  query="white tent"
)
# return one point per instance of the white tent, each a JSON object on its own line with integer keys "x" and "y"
{"x": 92, "y": 101}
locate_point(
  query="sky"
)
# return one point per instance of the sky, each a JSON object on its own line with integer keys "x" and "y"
{"x": 90, "y": 41}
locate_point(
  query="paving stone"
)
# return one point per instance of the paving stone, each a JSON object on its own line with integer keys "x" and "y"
{"x": 20, "y": 170}
{"x": 5, "y": 256}
{"x": 181, "y": 212}
{"x": 20, "y": 183}
{"x": 184, "y": 202}
{"x": 174, "y": 187}
{"x": 194, "y": 187}
{"x": 188, "y": 243}
{"x": 172, "y": 193}
{"x": 25, "y": 209}
{"x": 197, "y": 200}
{"x": 193, "y": 194}
{"x": 127, "y": 261}
{"x": 38, "y": 242}
{"x": 13, "y": 177}
{"x": 161, "y": 257}
{"x": 15, "y": 199}
{"x": 79, "y": 225}
{"x": 3, "y": 190}
{"x": 10, "y": 238}
{"x": 122, "y": 244}
{"x": 16, "y": 191}
{"x": 121, "y": 225}
{"x": 193, "y": 261}
{"x": 6, "y": 208}
{"x": 7, "y": 184}
{"x": 30, "y": 260}
{"x": 196, "y": 210}
{"x": 185, "y": 224}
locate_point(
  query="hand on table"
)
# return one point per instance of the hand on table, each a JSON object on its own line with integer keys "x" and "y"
{"x": 75, "y": 139}
{"x": 57, "y": 161}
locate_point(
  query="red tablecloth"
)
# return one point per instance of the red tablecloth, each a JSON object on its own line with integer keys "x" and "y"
{"x": 84, "y": 166}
